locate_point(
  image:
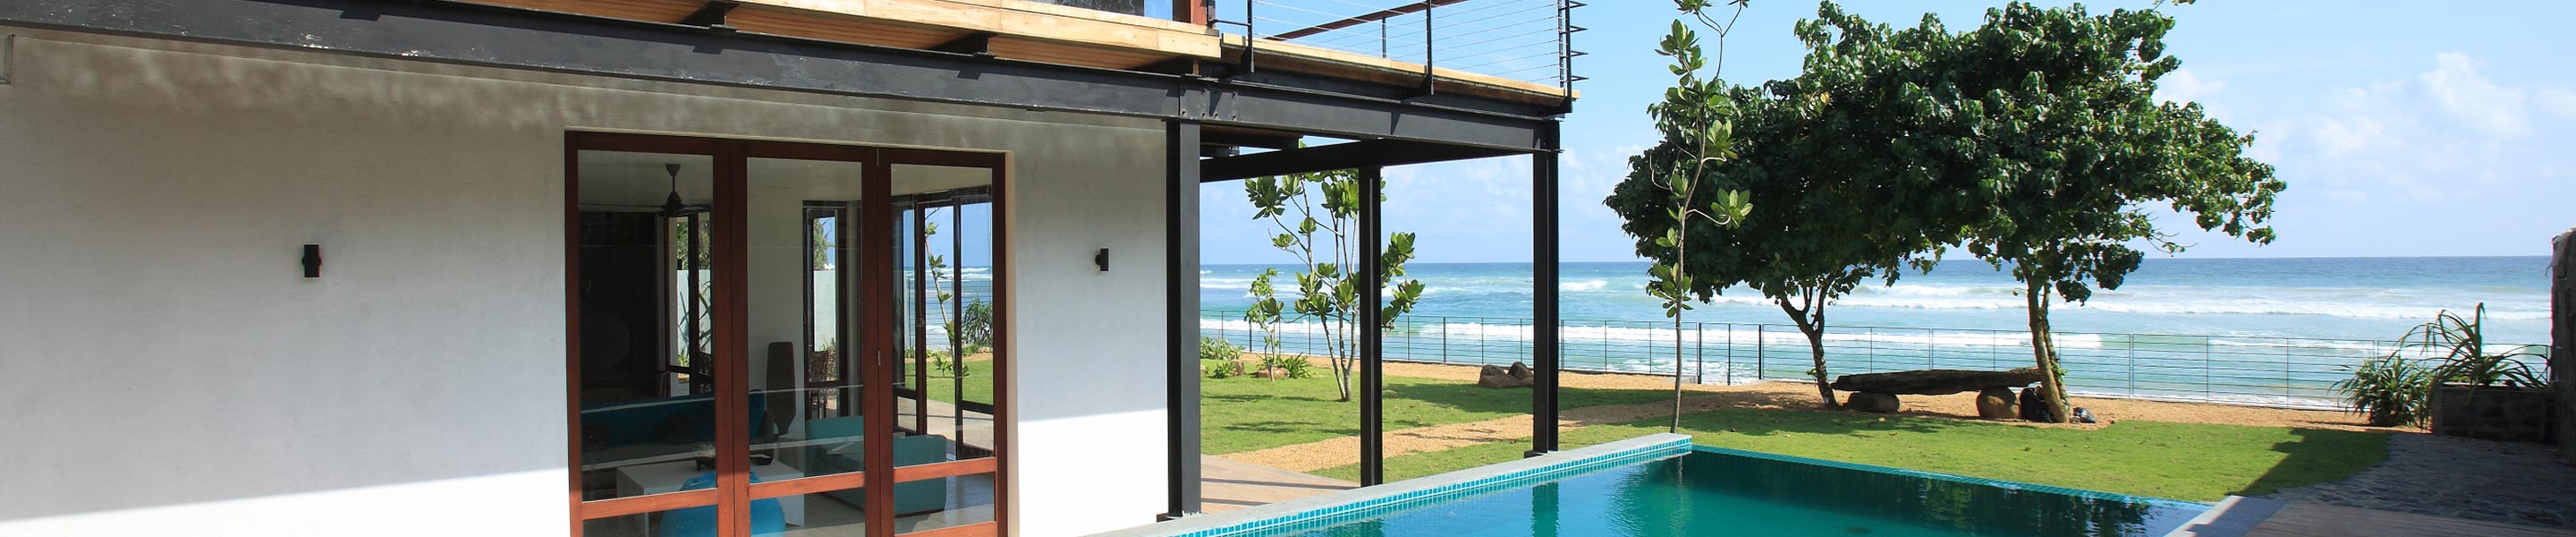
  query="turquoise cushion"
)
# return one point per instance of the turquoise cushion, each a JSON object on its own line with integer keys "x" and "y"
{"x": 767, "y": 517}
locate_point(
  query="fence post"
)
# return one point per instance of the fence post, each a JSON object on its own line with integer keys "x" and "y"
{"x": 2131, "y": 343}
{"x": 1870, "y": 348}
{"x": 2204, "y": 368}
{"x": 1699, "y": 353}
{"x": 1729, "y": 375}
{"x": 1759, "y": 338}
{"x": 1931, "y": 351}
{"x": 1444, "y": 339}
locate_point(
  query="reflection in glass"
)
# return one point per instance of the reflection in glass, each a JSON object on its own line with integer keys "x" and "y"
{"x": 803, "y": 295}
{"x": 645, "y": 333}
{"x": 948, "y": 325}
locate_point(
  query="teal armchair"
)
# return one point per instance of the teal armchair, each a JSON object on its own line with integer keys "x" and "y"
{"x": 833, "y": 458}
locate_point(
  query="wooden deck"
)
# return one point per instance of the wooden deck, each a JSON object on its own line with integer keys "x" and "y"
{"x": 1226, "y": 485}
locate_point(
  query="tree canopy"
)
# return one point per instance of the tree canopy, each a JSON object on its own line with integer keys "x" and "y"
{"x": 2042, "y": 127}
{"x": 2033, "y": 141}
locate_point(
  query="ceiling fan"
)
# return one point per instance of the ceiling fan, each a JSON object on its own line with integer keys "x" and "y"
{"x": 671, "y": 206}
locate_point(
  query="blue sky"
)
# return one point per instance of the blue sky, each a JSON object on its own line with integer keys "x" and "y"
{"x": 2403, "y": 128}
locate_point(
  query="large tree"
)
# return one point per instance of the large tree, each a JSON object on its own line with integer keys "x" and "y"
{"x": 1832, "y": 215}
{"x": 2043, "y": 126}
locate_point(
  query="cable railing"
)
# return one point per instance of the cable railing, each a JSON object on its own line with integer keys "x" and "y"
{"x": 1528, "y": 40}
{"x": 2241, "y": 370}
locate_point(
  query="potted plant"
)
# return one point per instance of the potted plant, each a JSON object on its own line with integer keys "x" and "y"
{"x": 2476, "y": 391}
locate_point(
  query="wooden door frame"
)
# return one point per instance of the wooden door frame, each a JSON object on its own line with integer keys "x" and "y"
{"x": 733, "y": 492}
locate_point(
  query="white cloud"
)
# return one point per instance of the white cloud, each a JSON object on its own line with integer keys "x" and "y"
{"x": 2184, "y": 86}
{"x": 2471, "y": 98}
{"x": 2338, "y": 137}
{"x": 2560, "y": 102}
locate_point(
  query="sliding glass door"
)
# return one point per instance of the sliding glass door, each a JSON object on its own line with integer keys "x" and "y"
{"x": 754, "y": 349}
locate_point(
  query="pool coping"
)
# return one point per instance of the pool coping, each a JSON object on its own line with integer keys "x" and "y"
{"x": 1319, "y": 511}
{"x": 2231, "y": 517}
{"x": 1997, "y": 483}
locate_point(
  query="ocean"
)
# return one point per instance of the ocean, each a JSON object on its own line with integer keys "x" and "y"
{"x": 2375, "y": 298}
{"x": 2251, "y": 331}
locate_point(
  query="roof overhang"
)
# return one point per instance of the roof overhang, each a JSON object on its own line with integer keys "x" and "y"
{"x": 484, "y": 35}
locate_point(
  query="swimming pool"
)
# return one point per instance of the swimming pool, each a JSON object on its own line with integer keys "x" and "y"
{"x": 1674, "y": 490}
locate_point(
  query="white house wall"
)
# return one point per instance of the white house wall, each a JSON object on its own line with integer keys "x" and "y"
{"x": 165, "y": 369}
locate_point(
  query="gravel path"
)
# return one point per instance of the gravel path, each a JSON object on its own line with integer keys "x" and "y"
{"x": 2508, "y": 482}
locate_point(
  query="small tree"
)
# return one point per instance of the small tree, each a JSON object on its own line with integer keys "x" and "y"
{"x": 960, "y": 344}
{"x": 1666, "y": 184}
{"x": 2043, "y": 126}
{"x": 1264, "y": 313}
{"x": 1314, "y": 214}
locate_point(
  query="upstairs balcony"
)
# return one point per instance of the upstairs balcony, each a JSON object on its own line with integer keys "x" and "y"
{"x": 1516, "y": 51}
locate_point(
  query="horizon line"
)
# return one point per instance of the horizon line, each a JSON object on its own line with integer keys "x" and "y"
{"x": 2541, "y": 256}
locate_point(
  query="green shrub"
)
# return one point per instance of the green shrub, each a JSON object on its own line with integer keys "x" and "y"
{"x": 1218, "y": 349}
{"x": 1220, "y": 369}
{"x": 1295, "y": 366}
{"x": 2391, "y": 391}
{"x": 2396, "y": 390}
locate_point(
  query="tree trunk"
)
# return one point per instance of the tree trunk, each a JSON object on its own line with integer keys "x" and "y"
{"x": 1816, "y": 350}
{"x": 2043, "y": 348}
{"x": 1815, "y": 332}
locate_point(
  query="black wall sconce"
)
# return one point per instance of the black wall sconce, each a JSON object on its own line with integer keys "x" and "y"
{"x": 312, "y": 261}
{"x": 1101, "y": 259}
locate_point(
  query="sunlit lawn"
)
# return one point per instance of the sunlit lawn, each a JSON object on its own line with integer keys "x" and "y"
{"x": 2195, "y": 462}
{"x": 1245, "y": 413}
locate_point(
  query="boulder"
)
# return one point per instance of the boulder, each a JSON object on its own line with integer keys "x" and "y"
{"x": 1996, "y": 404}
{"x": 1494, "y": 376}
{"x": 1936, "y": 381}
{"x": 1519, "y": 371}
{"x": 2034, "y": 409}
{"x": 1272, "y": 373}
{"x": 1879, "y": 402}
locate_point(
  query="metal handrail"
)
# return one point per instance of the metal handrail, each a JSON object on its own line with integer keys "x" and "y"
{"x": 1478, "y": 31}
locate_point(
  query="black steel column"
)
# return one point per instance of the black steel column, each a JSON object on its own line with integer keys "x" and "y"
{"x": 1181, "y": 310}
{"x": 1545, "y": 326}
{"x": 1372, "y": 288}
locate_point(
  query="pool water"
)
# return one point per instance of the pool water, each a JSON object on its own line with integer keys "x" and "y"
{"x": 1718, "y": 492}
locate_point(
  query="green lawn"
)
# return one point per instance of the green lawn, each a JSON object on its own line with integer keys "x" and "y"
{"x": 2165, "y": 460}
{"x": 1246, "y": 413}
{"x": 978, "y": 381}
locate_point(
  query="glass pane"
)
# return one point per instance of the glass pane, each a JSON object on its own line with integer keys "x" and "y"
{"x": 645, "y": 302}
{"x": 768, "y": 517}
{"x": 802, "y": 230}
{"x": 950, "y": 388}
{"x": 951, "y": 328}
{"x": 931, "y": 504}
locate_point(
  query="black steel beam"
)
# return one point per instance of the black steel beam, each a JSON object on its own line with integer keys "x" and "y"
{"x": 1251, "y": 138}
{"x": 483, "y": 35}
{"x": 1547, "y": 322}
{"x": 1181, "y": 313}
{"x": 1371, "y": 325}
{"x": 1341, "y": 156}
